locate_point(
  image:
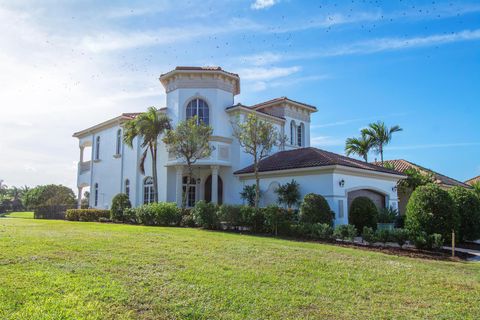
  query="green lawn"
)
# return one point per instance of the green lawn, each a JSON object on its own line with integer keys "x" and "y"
{"x": 78, "y": 270}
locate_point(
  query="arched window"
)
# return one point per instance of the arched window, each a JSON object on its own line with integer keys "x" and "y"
{"x": 300, "y": 134}
{"x": 199, "y": 108}
{"x": 96, "y": 195}
{"x": 118, "y": 149}
{"x": 148, "y": 192}
{"x": 292, "y": 132}
{"x": 97, "y": 148}
{"x": 192, "y": 190}
{"x": 127, "y": 187}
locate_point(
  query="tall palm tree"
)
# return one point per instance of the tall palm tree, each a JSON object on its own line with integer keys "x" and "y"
{"x": 147, "y": 126}
{"x": 380, "y": 135}
{"x": 359, "y": 146}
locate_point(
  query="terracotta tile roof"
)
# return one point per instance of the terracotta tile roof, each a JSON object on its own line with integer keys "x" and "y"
{"x": 281, "y": 99}
{"x": 260, "y": 111}
{"x": 473, "y": 180}
{"x": 206, "y": 68}
{"x": 131, "y": 114}
{"x": 311, "y": 157}
{"x": 402, "y": 165}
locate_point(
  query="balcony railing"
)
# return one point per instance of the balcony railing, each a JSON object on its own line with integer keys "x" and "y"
{"x": 83, "y": 167}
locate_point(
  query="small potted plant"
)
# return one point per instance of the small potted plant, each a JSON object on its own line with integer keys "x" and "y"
{"x": 386, "y": 218}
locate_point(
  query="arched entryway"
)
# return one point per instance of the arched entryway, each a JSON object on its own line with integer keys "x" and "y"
{"x": 377, "y": 197}
{"x": 208, "y": 189}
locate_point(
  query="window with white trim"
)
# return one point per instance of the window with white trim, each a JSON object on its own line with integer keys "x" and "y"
{"x": 118, "y": 148}
{"x": 97, "y": 148}
{"x": 127, "y": 187}
{"x": 198, "y": 107}
{"x": 148, "y": 191}
{"x": 96, "y": 195}
{"x": 192, "y": 190}
{"x": 292, "y": 132}
{"x": 300, "y": 134}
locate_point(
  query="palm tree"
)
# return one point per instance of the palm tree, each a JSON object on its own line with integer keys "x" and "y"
{"x": 147, "y": 126}
{"x": 380, "y": 135}
{"x": 359, "y": 146}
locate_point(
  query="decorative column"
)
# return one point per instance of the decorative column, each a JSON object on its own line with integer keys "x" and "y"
{"x": 214, "y": 184}
{"x": 179, "y": 186}
{"x": 79, "y": 204}
{"x": 201, "y": 189}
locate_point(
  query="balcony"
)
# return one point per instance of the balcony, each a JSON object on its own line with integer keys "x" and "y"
{"x": 221, "y": 155}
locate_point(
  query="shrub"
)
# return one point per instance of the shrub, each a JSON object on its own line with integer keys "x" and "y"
{"x": 253, "y": 218}
{"x": 383, "y": 235}
{"x": 120, "y": 203}
{"x": 435, "y": 241}
{"x": 248, "y": 194}
{"x": 187, "y": 218}
{"x": 277, "y": 220}
{"x": 387, "y": 215}
{"x": 431, "y": 210}
{"x": 363, "y": 213}
{"x": 368, "y": 235}
{"x": 130, "y": 215}
{"x": 288, "y": 193}
{"x": 315, "y": 209}
{"x": 420, "y": 240}
{"x": 467, "y": 205}
{"x": 205, "y": 215}
{"x": 231, "y": 215}
{"x": 86, "y": 214}
{"x": 400, "y": 236}
{"x": 323, "y": 231}
{"x": 158, "y": 214}
{"x": 345, "y": 231}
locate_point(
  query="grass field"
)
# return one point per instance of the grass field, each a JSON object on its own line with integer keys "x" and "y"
{"x": 78, "y": 270}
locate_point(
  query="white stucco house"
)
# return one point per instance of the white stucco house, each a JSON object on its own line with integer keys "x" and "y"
{"x": 209, "y": 93}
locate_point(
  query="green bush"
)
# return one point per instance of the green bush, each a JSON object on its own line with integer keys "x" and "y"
{"x": 277, "y": 220}
{"x": 130, "y": 216}
{"x": 384, "y": 236}
{"x": 205, "y": 215}
{"x": 187, "y": 218}
{"x": 363, "y": 213}
{"x": 86, "y": 214}
{"x": 322, "y": 231}
{"x": 368, "y": 235}
{"x": 387, "y": 215}
{"x": 400, "y": 236}
{"x": 420, "y": 240}
{"x": 230, "y": 215}
{"x": 315, "y": 209}
{"x": 431, "y": 210}
{"x": 158, "y": 214}
{"x": 435, "y": 241}
{"x": 49, "y": 195}
{"x": 253, "y": 218}
{"x": 467, "y": 205}
{"x": 120, "y": 203}
{"x": 345, "y": 232}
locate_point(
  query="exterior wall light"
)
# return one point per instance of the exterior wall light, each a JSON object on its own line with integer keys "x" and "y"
{"x": 341, "y": 183}
{"x": 394, "y": 188}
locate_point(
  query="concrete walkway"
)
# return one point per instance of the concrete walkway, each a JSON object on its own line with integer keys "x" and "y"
{"x": 474, "y": 253}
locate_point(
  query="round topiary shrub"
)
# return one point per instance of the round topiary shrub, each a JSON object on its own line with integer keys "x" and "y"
{"x": 315, "y": 209}
{"x": 205, "y": 215}
{"x": 120, "y": 203}
{"x": 431, "y": 210}
{"x": 363, "y": 213}
{"x": 467, "y": 205}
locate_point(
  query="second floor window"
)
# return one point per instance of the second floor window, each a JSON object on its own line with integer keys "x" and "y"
{"x": 118, "y": 148}
{"x": 300, "y": 134}
{"x": 97, "y": 148}
{"x": 96, "y": 195}
{"x": 199, "y": 108}
{"x": 292, "y": 132}
{"x": 127, "y": 188}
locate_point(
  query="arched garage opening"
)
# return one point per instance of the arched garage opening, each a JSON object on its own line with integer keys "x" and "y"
{"x": 377, "y": 197}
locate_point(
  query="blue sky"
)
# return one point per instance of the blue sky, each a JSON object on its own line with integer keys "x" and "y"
{"x": 66, "y": 66}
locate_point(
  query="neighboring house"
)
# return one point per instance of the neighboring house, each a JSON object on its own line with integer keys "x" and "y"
{"x": 438, "y": 178}
{"x": 470, "y": 182}
{"x": 209, "y": 93}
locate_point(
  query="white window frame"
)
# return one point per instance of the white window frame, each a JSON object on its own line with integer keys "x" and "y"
{"x": 194, "y": 105}
{"x": 148, "y": 190}
{"x": 118, "y": 148}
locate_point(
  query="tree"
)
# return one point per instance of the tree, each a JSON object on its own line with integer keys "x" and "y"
{"x": 363, "y": 213}
{"x": 147, "y": 126}
{"x": 359, "y": 146}
{"x": 315, "y": 209}
{"x": 248, "y": 194}
{"x": 49, "y": 195}
{"x": 415, "y": 178}
{"x": 380, "y": 135}
{"x": 467, "y": 205}
{"x": 189, "y": 141}
{"x": 257, "y": 137}
{"x": 476, "y": 188}
{"x": 288, "y": 194}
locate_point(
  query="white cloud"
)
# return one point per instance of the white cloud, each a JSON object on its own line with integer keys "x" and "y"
{"x": 262, "y": 73}
{"x": 322, "y": 141}
{"x": 263, "y": 4}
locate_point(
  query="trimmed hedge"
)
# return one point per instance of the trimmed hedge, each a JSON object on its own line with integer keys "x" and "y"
{"x": 87, "y": 214}
{"x": 120, "y": 203}
{"x": 159, "y": 214}
{"x": 431, "y": 210}
{"x": 205, "y": 215}
{"x": 363, "y": 213}
{"x": 315, "y": 209}
{"x": 467, "y": 205}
